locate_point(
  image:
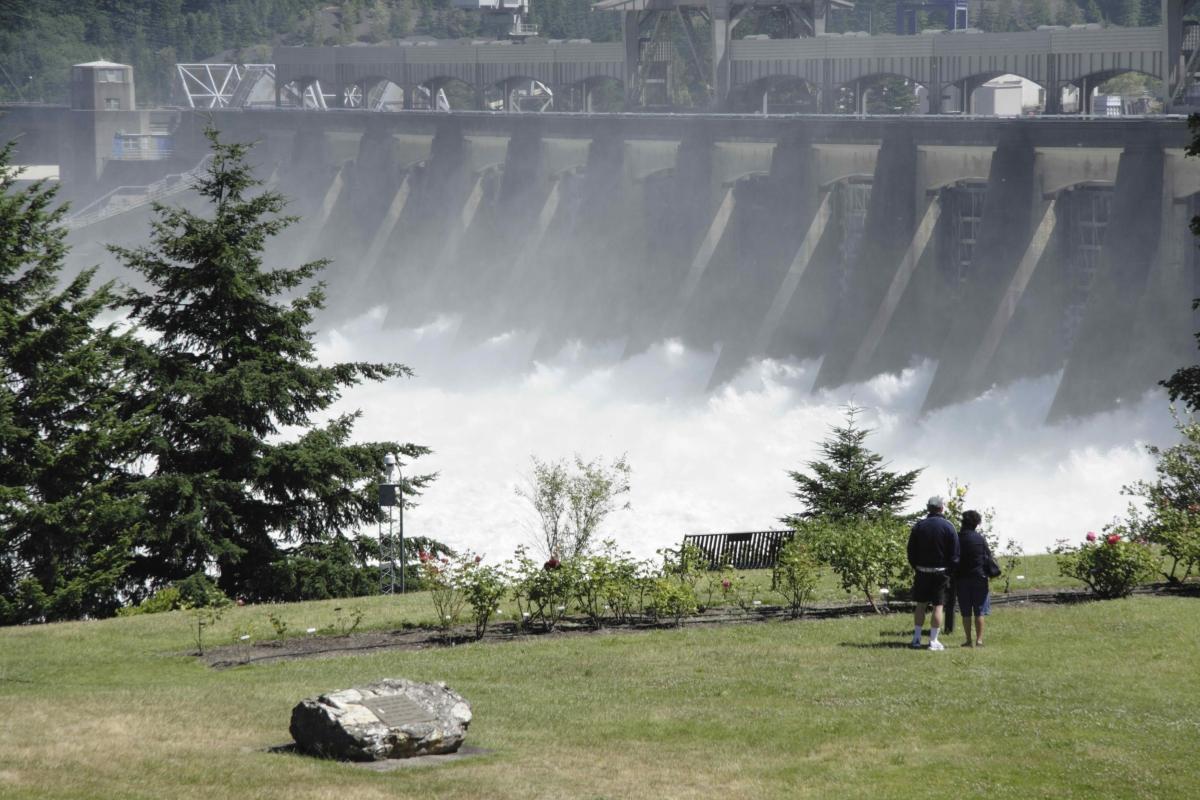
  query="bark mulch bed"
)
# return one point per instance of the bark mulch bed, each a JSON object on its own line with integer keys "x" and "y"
{"x": 426, "y": 638}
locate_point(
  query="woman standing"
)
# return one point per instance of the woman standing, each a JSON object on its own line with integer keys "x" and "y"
{"x": 971, "y": 582}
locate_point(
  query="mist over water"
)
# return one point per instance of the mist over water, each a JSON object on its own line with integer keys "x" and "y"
{"x": 716, "y": 462}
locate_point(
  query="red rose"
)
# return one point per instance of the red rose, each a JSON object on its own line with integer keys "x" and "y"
{"x": 725, "y": 584}
{"x": 1113, "y": 538}
{"x": 478, "y": 559}
{"x": 421, "y": 554}
{"x": 553, "y": 563}
{"x": 1091, "y": 537}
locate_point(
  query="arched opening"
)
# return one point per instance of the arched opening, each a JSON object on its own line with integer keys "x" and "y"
{"x": 777, "y": 94}
{"x": 373, "y": 94}
{"x": 517, "y": 94}
{"x": 305, "y": 92}
{"x": 996, "y": 95}
{"x": 445, "y": 94}
{"x": 885, "y": 93}
{"x": 1114, "y": 93}
{"x": 600, "y": 95}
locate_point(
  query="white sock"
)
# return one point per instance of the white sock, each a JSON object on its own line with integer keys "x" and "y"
{"x": 933, "y": 634}
{"x": 917, "y": 634}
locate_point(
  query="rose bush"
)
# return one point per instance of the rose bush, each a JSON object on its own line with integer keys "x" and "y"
{"x": 1112, "y": 568}
{"x": 483, "y": 587}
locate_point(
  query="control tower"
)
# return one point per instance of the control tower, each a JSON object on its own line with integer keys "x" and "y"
{"x": 642, "y": 19}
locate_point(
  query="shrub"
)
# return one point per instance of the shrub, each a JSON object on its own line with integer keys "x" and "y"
{"x": 797, "y": 570}
{"x": 687, "y": 565}
{"x": 212, "y": 605}
{"x": 200, "y": 591}
{"x": 623, "y": 587}
{"x": 604, "y": 585}
{"x": 1178, "y": 533}
{"x": 167, "y": 598}
{"x": 671, "y": 598}
{"x": 720, "y": 586}
{"x": 1171, "y": 518}
{"x": 1110, "y": 565}
{"x": 1010, "y": 557}
{"x": 865, "y": 552}
{"x": 483, "y": 588}
{"x": 542, "y": 591}
{"x": 440, "y": 576}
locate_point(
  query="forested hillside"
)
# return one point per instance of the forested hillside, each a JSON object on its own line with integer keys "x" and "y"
{"x": 40, "y": 39}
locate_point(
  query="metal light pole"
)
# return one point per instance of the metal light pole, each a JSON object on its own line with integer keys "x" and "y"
{"x": 391, "y": 496}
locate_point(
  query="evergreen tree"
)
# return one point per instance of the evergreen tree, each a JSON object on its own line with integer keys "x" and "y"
{"x": 1151, "y": 13}
{"x": 1036, "y": 12}
{"x": 228, "y": 365}
{"x": 891, "y": 95}
{"x": 68, "y": 507}
{"x": 985, "y": 20}
{"x": 1128, "y": 13}
{"x": 851, "y": 481}
{"x": 1069, "y": 14}
{"x": 1005, "y": 20}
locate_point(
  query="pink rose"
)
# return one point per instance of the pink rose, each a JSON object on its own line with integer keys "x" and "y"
{"x": 1091, "y": 537}
{"x": 725, "y": 584}
{"x": 1113, "y": 538}
{"x": 478, "y": 559}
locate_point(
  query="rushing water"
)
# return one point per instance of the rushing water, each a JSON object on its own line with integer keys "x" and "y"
{"x": 717, "y": 462}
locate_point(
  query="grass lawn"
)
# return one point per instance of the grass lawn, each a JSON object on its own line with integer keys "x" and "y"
{"x": 1078, "y": 701}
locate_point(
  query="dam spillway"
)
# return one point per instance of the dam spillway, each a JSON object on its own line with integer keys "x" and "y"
{"x": 999, "y": 249}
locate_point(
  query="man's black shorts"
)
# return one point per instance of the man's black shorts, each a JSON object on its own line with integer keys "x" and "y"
{"x": 931, "y": 587}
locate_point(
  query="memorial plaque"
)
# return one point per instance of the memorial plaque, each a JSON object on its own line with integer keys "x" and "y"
{"x": 397, "y": 710}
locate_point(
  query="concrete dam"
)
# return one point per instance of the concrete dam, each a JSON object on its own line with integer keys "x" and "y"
{"x": 1000, "y": 249}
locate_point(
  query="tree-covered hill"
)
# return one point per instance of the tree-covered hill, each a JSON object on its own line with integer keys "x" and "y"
{"x": 40, "y": 39}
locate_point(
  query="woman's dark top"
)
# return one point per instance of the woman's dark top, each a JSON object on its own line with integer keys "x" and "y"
{"x": 972, "y": 549}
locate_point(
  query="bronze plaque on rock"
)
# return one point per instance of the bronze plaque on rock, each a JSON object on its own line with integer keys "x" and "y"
{"x": 397, "y": 710}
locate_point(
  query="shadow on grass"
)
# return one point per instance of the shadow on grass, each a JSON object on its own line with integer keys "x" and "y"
{"x": 876, "y": 645}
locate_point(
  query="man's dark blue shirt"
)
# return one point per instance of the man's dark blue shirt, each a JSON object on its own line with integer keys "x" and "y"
{"x": 933, "y": 543}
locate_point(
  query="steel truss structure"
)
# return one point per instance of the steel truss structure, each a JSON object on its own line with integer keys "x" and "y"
{"x": 220, "y": 85}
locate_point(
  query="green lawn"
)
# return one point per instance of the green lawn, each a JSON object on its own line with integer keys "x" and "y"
{"x": 1079, "y": 701}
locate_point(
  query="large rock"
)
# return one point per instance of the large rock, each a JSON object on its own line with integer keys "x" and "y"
{"x": 394, "y": 718}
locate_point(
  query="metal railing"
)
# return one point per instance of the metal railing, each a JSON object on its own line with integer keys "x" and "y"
{"x": 127, "y": 198}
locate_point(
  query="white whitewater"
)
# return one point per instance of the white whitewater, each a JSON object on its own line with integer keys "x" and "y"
{"x": 717, "y": 462}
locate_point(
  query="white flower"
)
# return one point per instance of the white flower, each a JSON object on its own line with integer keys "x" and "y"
{"x": 758, "y": 602}
{"x": 311, "y": 630}
{"x": 244, "y": 637}
{"x": 561, "y": 608}
{"x": 1020, "y": 577}
{"x": 883, "y": 591}
{"x": 448, "y": 617}
{"x": 525, "y": 614}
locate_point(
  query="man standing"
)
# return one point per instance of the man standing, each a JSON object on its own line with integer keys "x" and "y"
{"x": 933, "y": 553}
